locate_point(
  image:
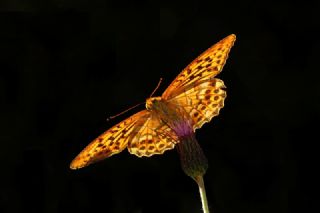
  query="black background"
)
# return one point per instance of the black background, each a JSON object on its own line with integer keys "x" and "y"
{"x": 66, "y": 66}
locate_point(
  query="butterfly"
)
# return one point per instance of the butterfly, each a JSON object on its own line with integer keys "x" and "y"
{"x": 192, "y": 99}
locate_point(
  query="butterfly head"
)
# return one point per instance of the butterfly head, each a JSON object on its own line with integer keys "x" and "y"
{"x": 151, "y": 103}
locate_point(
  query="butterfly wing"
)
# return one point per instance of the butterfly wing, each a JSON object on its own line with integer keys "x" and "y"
{"x": 152, "y": 137}
{"x": 112, "y": 141}
{"x": 202, "y": 101}
{"x": 204, "y": 67}
{"x": 195, "y": 88}
{"x": 144, "y": 133}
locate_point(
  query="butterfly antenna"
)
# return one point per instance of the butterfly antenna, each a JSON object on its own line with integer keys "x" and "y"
{"x": 114, "y": 116}
{"x": 156, "y": 87}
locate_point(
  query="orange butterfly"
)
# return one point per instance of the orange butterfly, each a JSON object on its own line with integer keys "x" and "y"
{"x": 191, "y": 100}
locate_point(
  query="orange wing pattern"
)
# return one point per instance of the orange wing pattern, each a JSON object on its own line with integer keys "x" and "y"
{"x": 202, "y": 101}
{"x": 153, "y": 137}
{"x": 195, "y": 90}
{"x": 204, "y": 67}
{"x": 110, "y": 142}
{"x": 143, "y": 133}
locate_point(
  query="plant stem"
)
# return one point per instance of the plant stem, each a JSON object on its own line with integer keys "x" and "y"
{"x": 202, "y": 190}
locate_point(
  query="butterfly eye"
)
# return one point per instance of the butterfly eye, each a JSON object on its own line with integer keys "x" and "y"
{"x": 149, "y": 103}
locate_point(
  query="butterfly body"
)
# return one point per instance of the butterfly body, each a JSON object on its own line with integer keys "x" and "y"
{"x": 192, "y": 99}
{"x": 173, "y": 116}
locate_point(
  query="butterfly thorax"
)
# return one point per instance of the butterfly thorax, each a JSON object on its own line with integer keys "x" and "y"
{"x": 173, "y": 116}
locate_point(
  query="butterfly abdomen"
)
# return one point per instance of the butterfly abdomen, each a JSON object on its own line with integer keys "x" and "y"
{"x": 173, "y": 116}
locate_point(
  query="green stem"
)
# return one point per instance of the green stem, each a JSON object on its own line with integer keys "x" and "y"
{"x": 194, "y": 164}
{"x": 193, "y": 161}
{"x": 202, "y": 190}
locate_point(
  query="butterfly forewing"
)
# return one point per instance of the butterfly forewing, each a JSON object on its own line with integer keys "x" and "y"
{"x": 110, "y": 142}
{"x": 204, "y": 67}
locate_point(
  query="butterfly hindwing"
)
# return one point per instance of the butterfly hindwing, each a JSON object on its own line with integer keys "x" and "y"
{"x": 153, "y": 137}
{"x": 202, "y": 101}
